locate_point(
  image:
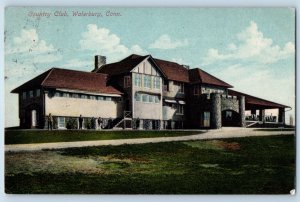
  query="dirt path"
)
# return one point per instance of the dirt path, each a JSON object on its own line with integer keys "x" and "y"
{"x": 211, "y": 134}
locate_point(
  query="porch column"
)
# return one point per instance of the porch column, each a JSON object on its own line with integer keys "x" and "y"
{"x": 281, "y": 115}
{"x": 262, "y": 115}
{"x": 242, "y": 111}
{"x": 216, "y": 115}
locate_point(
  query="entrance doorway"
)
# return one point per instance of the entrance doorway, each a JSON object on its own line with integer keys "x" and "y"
{"x": 206, "y": 119}
{"x": 230, "y": 118}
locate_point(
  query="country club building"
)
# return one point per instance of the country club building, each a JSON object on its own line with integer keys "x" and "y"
{"x": 139, "y": 92}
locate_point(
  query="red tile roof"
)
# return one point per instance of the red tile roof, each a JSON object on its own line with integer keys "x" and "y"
{"x": 173, "y": 70}
{"x": 70, "y": 79}
{"x": 124, "y": 66}
{"x": 199, "y": 76}
{"x": 251, "y": 100}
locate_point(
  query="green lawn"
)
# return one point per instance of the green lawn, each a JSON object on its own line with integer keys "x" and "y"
{"x": 31, "y": 136}
{"x": 252, "y": 165}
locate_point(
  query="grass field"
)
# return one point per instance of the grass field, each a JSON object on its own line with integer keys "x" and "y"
{"x": 28, "y": 136}
{"x": 253, "y": 165}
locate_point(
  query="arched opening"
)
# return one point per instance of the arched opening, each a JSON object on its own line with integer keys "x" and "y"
{"x": 230, "y": 118}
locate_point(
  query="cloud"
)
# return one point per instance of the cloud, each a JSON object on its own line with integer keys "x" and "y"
{"x": 102, "y": 41}
{"x": 29, "y": 42}
{"x": 252, "y": 45}
{"x": 78, "y": 64}
{"x": 165, "y": 42}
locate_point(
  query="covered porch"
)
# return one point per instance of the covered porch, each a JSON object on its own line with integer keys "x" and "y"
{"x": 262, "y": 111}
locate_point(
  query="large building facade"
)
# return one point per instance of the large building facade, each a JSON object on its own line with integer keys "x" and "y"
{"x": 139, "y": 92}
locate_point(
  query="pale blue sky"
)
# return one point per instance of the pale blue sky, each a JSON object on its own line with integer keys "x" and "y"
{"x": 250, "y": 48}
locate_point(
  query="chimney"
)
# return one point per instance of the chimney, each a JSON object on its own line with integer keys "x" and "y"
{"x": 99, "y": 62}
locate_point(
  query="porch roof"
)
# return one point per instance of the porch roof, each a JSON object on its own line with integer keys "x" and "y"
{"x": 253, "y": 102}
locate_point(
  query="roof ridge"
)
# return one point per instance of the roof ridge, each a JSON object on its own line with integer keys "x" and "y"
{"x": 47, "y": 75}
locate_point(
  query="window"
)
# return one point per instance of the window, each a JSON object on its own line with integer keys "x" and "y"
{"x": 137, "y": 97}
{"x": 31, "y": 93}
{"x": 151, "y": 98}
{"x": 127, "y": 81}
{"x": 83, "y": 96}
{"x": 156, "y": 99}
{"x": 100, "y": 98}
{"x": 24, "y": 95}
{"x": 196, "y": 89}
{"x": 38, "y": 92}
{"x": 181, "y": 87}
{"x": 180, "y": 109}
{"x": 156, "y": 82}
{"x": 75, "y": 95}
{"x": 138, "y": 80}
{"x": 66, "y": 95}
{"x": 108, "y": 98}
{"x": 147, "y": 81}
{"x": 57, "y": 94}
{"x": 61, "y": 122}
{"x": 145, "y": 98}
{"x": 92, "y": 97}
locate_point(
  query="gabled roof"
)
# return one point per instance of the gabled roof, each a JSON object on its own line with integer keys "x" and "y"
{"x": 70, "y": 79}
{"x": 255, "y": 101}
{"x": 173, "y": 70}
{"x": 199, "y": 76}
{"x": 123, "y": 66}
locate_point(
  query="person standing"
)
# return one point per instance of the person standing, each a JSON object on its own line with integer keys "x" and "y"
{"x": 80, "y": 122}
{"x": 50, "y": 122}
{"x": 100, "y": 123}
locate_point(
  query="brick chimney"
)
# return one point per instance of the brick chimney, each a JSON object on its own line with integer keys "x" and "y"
{"x": 99, "y": 62}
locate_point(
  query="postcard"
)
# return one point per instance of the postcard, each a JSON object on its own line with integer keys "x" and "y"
{"x": 112, "y": 100}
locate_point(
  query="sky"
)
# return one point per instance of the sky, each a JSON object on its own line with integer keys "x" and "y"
{"x": 252, "y": 49}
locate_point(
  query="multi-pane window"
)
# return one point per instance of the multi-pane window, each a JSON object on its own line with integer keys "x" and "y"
{"x": 151, "y": 98}
{"x": 75, "y": 95}
{"x": 127, "y": 81}
{"x": 31, "y": 93}
{"x": 147, "y": 81}
{"x": 156, "y": 99}
{"x": 181, "y": 87}
{"x": 24, "y": 95}
{"x": 38, "y": 92}
{"x": 66, "y": 95}
{"x": 57, "y": 94}
{"x": 83, "y": 96}
{"x": 145, "y": 98}
{"x": 180, "y": 109}
{"x": 156, "y": 82}
{"x": 100, "y": 98}
{"x": 138, "y": 97}
{"x": 61, "y": 122}
{"x": 92, "y": 97}
{"x": 108, "y": 98}
{"x": 138, "y": 80}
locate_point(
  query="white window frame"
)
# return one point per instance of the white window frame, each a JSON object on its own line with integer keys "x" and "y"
{"x": 145, "y": 95}
{"x": 156, "y": 99}
{"x": 147, "y": 82}
{"x": 58, "y": 122}
{"x": 127, "y": 81}
{"x": 156, "y": 82}
{"x": 151, "y": 99}
{"x": 138, "y": 97}
{"x": 138, "y": 80}
{"x": 108, "y": 98}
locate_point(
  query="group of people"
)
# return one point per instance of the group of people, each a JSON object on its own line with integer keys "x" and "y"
{"x": 255, "y": 117}
{"x": 96, "y": 123}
